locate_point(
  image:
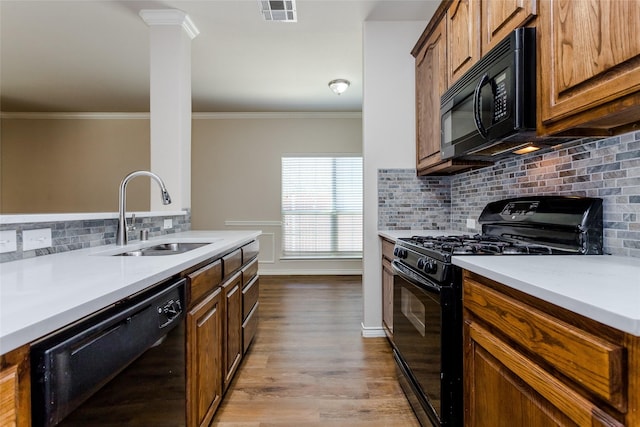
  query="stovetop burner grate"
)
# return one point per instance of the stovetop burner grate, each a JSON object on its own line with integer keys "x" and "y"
{"x": 478, "y": 245}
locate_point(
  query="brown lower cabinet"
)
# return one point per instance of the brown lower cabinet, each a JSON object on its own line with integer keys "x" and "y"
{"x": 15, "y": 386}
{"x": 216, "y": 338}
{"x": 387, "y": 287}
{"x": 530, "y": 363}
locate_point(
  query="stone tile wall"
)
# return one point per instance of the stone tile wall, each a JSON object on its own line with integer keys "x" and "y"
{"x": 407, "y": 201}
{"x": 607, "y": 168}
{"x": 72, "y": 235}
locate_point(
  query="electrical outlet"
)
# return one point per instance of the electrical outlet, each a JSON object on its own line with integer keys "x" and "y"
{"x": 36, "y": 239}
{"x": 8, "y": 241}
{"x": 471, "y": 223}
{"x": 168, "y": 223}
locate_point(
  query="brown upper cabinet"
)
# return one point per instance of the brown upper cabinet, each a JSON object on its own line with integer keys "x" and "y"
{"x": 431, "y": 82}
{"x": 463, "y": 37}
{"x": 589, "y": 67}
{"x": 501, "y": 17}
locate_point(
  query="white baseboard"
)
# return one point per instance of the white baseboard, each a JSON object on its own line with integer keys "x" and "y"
{"x": 369, "y": 332}
{"x": 304, "y": 272}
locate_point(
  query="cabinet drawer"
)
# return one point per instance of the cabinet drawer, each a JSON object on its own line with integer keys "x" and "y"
{"x": 231, "y": 262}
{"x": 537, "y": 397}
{"x": 249, "y": 272}
{"x": 387, "y": 249}
{"x": 250, "y": 251}
{"x": 250, "y": 327}
{"x": 250, "y": 296}
{"x": 204, "y": 280}
{"x": 592, "y": 362}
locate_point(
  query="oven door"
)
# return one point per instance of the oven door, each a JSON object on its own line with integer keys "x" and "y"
{"x": 426, "y": 337}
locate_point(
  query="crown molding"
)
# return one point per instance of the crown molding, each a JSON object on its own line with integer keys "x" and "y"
{"x": 170, "y": 17}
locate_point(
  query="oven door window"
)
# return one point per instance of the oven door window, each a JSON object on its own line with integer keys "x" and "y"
{"x": 417, "y": 336}
{"x": 413, "y": 310}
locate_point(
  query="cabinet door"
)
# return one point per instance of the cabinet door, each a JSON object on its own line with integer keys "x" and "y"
{"x": 496, "y": 373}
{"x": 15, "y": 388}
{"x": 500, "y": 17}
{"x": 431, "y": 82}
{"x": 204, "y": 355}
{"x": 232, "y": 290}
{"x": 463, "y": 38}
{"x": 387, "y": 286}
{"x": 589, "y": 55}
{"x": 387, "y": 297}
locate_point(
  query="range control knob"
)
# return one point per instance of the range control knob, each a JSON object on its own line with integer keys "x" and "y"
{"x": 432, "y": 266}
{"x": 427, "y": 265}
{"x": 400, "y": 253}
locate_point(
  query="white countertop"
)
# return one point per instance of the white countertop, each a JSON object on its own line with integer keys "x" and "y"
{"x": 41, "y": 294}
{"x": 601, "y": 287}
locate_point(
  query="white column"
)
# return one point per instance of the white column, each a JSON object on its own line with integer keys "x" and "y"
{"x": 171, "y": 32}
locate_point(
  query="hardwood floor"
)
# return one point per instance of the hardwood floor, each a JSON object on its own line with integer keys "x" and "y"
{"x": 310, "y": 366}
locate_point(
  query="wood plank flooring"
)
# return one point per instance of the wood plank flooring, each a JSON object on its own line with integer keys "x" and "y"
{"x": 310, "y": 366}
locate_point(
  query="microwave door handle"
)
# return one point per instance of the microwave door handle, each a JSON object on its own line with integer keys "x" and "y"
{"x": 476, "y": 106}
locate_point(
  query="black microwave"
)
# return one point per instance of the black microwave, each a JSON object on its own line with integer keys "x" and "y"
{"x": 490, "y": 112}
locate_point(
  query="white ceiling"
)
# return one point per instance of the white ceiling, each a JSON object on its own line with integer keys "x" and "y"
{"x": 93, "y": 56}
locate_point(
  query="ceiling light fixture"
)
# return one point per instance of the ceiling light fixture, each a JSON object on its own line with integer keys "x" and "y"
{"x": 278, "y": 10}
{"x": 339, "y": 85}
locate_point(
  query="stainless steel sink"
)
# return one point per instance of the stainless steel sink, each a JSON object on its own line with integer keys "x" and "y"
{"x": 164, "y": 249}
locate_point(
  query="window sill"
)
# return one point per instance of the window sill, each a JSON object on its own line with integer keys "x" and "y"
{"x": 319, "y": 257}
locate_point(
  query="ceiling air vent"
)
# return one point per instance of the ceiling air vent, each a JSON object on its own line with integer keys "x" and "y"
{"x": 278, "y": 10}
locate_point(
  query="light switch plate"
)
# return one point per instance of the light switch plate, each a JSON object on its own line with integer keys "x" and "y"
{"x": 168, "y": 223}
{"x": 36, "y": 239}
{"x": 471, "y": 223}
{"x": 8, "y": 241}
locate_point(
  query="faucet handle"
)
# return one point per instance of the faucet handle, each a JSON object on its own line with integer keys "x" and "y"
{"x": 132, "y": 227}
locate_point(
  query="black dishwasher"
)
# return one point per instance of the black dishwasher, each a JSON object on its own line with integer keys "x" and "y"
{"x": 122, "y": 366}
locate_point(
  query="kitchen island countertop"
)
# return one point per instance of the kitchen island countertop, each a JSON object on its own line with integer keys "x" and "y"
{"x": 39, "y": 295}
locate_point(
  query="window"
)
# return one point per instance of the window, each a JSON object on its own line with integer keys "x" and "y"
{"x": 322, "y": 207}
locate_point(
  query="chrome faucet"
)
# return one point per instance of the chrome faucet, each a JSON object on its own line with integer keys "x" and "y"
{"x": 121, "y": 233}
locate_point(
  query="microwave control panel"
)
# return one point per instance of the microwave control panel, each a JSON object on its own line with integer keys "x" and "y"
{"x": 500, "y": 110}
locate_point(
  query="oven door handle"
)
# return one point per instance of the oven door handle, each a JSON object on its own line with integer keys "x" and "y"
{"x": 414, "y": 278}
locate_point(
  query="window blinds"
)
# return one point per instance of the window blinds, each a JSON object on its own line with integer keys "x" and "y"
{"x": 322, "y": 206}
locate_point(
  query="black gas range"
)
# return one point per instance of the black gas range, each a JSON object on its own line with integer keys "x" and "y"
{"x": 427, "y": 307}
{"x": 541, "y": 225}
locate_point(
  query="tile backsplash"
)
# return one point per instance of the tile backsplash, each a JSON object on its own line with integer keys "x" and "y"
{"x": 80, "y": 234}
{"x": 606, "y": 168}
{"x": 407, "y": 201}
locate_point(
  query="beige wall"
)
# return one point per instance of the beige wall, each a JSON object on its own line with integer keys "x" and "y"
{"x": 58, "y": 165}
{"x": 72, "y": 165}
{"x": 236, "y": 176}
